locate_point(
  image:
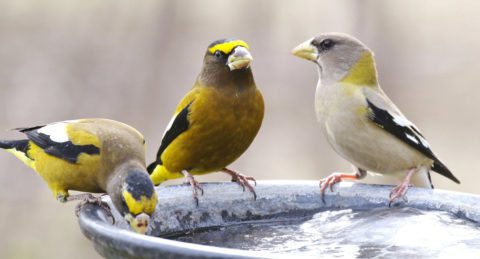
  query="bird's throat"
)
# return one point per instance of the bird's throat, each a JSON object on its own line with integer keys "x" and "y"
{"x": 237, "y": 80}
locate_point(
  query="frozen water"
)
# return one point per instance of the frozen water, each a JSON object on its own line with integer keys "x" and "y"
{"x": 379, "y": 233}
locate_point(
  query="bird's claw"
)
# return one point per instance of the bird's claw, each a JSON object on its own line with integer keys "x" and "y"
{"x": 88, "y": 198}
{"x": 399, "y": 192}
{"x": 243, "y": 181}
{"x": 63, "y": 197}
{"x": 195, "y": 186}
{"x": 329, "y": 182}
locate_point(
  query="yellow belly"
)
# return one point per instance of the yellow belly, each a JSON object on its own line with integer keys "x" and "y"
{"x": 222, "y": 127}
{"x": 62, "y": 176}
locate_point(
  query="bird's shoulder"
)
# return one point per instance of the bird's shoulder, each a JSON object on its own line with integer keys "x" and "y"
{"x": 189, "y": 97}
{"x": 105, "y": 129}
{"x": 198, "y": 101}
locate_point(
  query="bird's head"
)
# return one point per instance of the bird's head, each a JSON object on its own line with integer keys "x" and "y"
{"x": 137, "y": 200}
{"x": 340, "y": 57}
{"x": 226, "y": 60}
{"x": 233, "y": 54}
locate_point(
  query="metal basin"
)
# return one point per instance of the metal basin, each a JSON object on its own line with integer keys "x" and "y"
{"x": 225, "y": 204}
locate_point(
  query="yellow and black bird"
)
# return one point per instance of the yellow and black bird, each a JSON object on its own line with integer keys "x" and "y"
{"x": 215, "y": 122}
{"x": 91, "y": 155}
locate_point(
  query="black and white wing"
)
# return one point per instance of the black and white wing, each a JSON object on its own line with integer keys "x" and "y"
{"x": 177, "y": 126}
{"x": 55, "y": 141}
{"x": 397, "y": 125}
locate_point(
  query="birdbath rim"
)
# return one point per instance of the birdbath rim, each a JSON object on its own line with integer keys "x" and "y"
{"x": 176, "y": 212}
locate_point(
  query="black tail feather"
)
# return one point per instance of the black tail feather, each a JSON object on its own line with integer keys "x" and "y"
{"x": 27, "y": 129}
{"x": 20, "y": 145}
{"x": 151, "y": 167}
{"x": 440, "y": 168}
{"x": 430, "y": 180}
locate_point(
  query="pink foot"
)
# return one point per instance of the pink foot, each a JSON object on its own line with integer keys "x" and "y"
{"x": 88, "y": 198}
{"x": 331, "y": 180}
{"x": 195, "y": 185}
{"x": 242, "y": 180}
{"x": 400, "y": 191}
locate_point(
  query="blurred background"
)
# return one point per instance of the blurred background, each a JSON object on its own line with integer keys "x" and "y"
{"x": 132, "y": 61}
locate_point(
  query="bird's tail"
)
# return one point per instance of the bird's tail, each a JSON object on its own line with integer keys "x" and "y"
{"x": 151, "y": 167}
{"x": 20, "y": 145}
{"x": 18, "y": 148}
{"x": 440, "y": 168}
{"x": 159, "y": 174}
{"x": 154, "y": 170}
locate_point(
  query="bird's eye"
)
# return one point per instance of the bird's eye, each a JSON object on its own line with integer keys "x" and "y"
{"x": 326, "y": 44}
{"x": 218, "y": 54}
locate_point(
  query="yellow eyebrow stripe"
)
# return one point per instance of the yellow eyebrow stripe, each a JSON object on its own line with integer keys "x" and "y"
{"x": 227, "y": 47}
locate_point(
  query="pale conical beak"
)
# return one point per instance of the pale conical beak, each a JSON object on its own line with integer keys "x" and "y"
{"x": 306, "y": 51}
{"x": 139, "y": 223}
{"x": 240, "y": 58}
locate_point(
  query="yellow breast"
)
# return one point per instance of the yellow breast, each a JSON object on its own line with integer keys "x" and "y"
{"x": 223, "y": 124}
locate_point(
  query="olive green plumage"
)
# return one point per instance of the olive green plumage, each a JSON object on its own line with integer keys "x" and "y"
{"x": 216, "y": 121}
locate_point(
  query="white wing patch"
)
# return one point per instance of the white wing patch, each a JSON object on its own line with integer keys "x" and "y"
{"x": 400, "y": 127}
{"x": 412, "y": 138}
{"x": 170, "y": 124}
{"x": 56, "y": 131}
{"x": 424, "y": 141}
{"x": 402, "y": 121}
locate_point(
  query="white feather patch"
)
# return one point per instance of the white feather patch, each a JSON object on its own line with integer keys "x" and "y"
{"x": 424, "y": 142}
{"x": 169, "y": 124}
{"x": 412, "y": 138}
{"x": 57, "y": 131}
{"x": 402, "y": 121}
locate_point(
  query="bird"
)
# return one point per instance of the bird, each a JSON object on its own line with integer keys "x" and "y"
{"x": 92, "y": 156}
{"x": 215, "y": 122}
{"x": 360, "y": 122}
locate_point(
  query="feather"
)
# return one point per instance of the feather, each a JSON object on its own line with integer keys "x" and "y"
{"x": 177, "y": 126}
{"x": 58, "y": 144}
{"x": 405, "y": 131}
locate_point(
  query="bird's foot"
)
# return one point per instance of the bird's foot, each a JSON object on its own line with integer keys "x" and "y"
{"x": 331, "y": 180}
{"x": 400, "y": 191}
{"x": 88, "y": 198}
{"x": 242, "y": 180}
{"x": 195, "y": 185}
{"x": 62, "y": 196}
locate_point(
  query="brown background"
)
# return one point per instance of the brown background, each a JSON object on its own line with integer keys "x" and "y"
{"x": 133, "y": 60}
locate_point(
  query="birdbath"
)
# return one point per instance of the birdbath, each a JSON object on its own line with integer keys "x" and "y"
{"x": 289, "y": 219}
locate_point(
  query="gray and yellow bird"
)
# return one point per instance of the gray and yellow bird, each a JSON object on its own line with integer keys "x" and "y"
{"x": 360, "y": 122}
{"x": 215, "y": 122}
{"x": 91, "y": 155}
